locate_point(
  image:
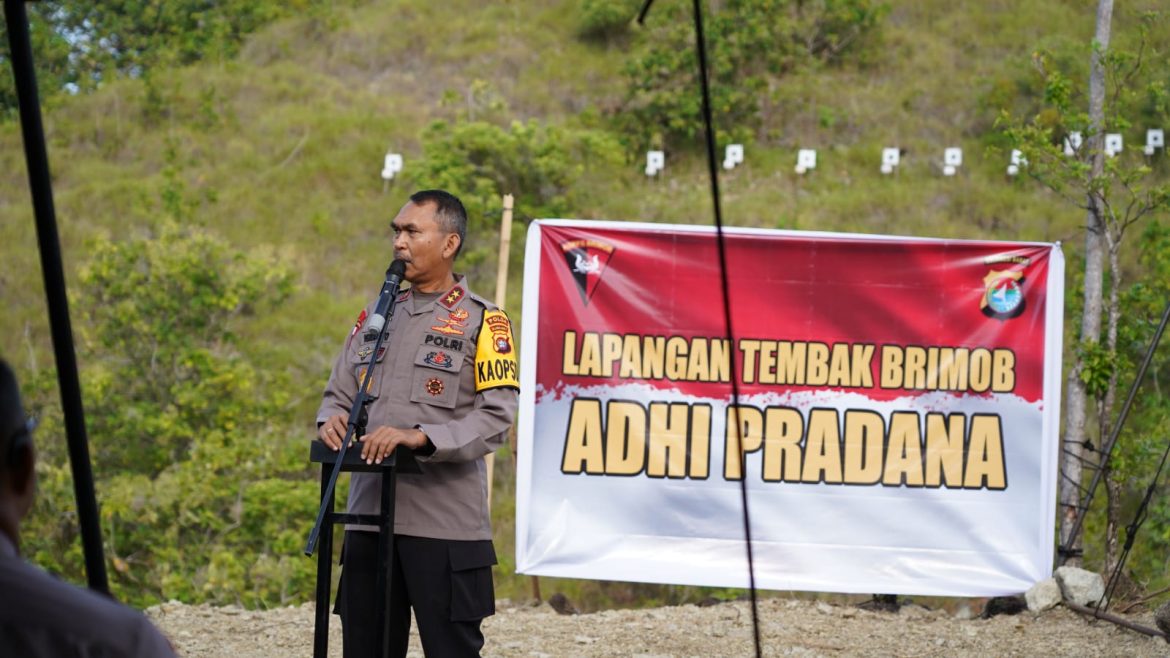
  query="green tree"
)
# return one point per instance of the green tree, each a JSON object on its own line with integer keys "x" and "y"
{"x": 83, "y": 44}
{"x": 751, "y": 44}
{"x": 1140, "y": 447}
{"x": 606, "y": 19}
{"x": 51, "y": 55}
{"x": 202, "y": 488}
{"x": 539, "y": 164}
{"x": 157, "y": 311}
{"x": 1116, "y": 192}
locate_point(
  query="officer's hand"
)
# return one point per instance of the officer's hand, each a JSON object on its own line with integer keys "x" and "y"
{"x": 378, "y": 444}
{"x": 332, "y": 431}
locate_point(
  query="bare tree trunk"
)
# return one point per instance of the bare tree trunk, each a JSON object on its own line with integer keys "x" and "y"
{"x": 1077, "y": 399}
{"x": 1112, "y": 524}
{"x": 1105, "y": 407}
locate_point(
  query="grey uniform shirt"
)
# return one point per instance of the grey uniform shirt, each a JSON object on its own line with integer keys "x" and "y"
{"x": 41, "y": 616}
{"x": 427, "y": 378}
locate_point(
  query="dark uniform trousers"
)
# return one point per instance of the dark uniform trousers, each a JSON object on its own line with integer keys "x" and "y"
{"x": 447, "y": 582}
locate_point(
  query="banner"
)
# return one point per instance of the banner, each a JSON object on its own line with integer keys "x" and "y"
{"x": 897, "y": 412}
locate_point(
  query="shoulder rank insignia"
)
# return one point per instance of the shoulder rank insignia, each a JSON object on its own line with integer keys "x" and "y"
{"x": 495, "y": 356}
{"x": 357, "y": 326}
{"x": 453, "y": 296}
{"x": 361, "y": 319}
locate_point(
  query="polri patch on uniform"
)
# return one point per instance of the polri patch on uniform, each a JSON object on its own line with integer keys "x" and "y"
{"x": 495, "y": 358}
{"x": 455, "y": 344}
{"x": 434, "y": 386}
{"x": 501, "y": 331}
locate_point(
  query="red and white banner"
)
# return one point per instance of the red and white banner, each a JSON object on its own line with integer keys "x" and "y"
{"x": 897, "y": 412}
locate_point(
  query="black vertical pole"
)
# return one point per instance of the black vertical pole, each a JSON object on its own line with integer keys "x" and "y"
{"x": 713, "y": 171}
{"x": 42, "y": 195}
{"x": 324, "y": 571}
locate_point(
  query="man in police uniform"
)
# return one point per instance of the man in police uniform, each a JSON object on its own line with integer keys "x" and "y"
{"x": 446, "y": 388}
{"x": 40, "y": 616}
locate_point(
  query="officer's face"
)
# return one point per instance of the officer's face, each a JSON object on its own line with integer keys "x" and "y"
{"x": 419, "y": 240}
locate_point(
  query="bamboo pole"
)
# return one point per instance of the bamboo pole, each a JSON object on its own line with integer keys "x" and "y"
{"x": 501, "y": 299}
{"x": 505, "y": 245}
{"x": 501, "y": 294}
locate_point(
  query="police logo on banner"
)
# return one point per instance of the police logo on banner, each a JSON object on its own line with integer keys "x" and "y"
{"x": 495, "y": 358}
{"x": 1003, "y": 295}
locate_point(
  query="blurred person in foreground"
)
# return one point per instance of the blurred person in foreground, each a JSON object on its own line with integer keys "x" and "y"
{"x": 446, "y": 388}
{"x": 41, "y": 616}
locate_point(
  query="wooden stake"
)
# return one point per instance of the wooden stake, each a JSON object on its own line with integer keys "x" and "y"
{"x": 501, "y": 294}
{"x": 505, "y": 244}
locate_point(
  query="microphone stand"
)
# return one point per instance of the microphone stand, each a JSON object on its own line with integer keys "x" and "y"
{"x": 355, "y": 427}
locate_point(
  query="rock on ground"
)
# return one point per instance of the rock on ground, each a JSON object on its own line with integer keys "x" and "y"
{"x": 788, "y": 627}
{"x": 1044, "y": 595}
{"x": 1080, "y": 586}
{"x": 1162, "y": 617}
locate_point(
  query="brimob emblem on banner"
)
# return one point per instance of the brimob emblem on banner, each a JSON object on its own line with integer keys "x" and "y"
{"x": 587, "y": 259}
{"x": 1003, "y": 294}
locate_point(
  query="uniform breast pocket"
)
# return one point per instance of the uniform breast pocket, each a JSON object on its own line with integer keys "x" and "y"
{"x": 435, "y": 377}
{"x": 359, "y": 361}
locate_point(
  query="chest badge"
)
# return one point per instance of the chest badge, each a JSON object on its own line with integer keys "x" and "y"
{"x": 434, "y": 386}
{"x": 367, "y": 350}
{"x": 439, "y": 359}
{"x": 453, "y": 324}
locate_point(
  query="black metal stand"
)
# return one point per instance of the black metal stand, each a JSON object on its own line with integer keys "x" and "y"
{"x": 351, "y": 461}
{"x": 41, "y": 185}
{"x": 356, "y": 426}
{"x": 1065, "y": 549}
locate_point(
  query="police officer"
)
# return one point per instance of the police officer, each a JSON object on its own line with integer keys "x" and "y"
{"x": 446, "y": 388}
{"x": 41, "y": 616}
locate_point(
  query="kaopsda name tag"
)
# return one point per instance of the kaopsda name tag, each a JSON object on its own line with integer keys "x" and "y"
{"x": 495, "y": 353}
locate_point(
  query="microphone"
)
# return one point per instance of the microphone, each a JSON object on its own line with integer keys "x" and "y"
{"x": 394, "y": 275}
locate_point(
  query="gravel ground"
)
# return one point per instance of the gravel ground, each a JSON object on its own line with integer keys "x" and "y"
{"x": 788, "y": 627}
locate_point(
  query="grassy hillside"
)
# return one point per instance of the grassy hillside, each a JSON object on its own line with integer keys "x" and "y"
{"x": 280, "y": 150}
